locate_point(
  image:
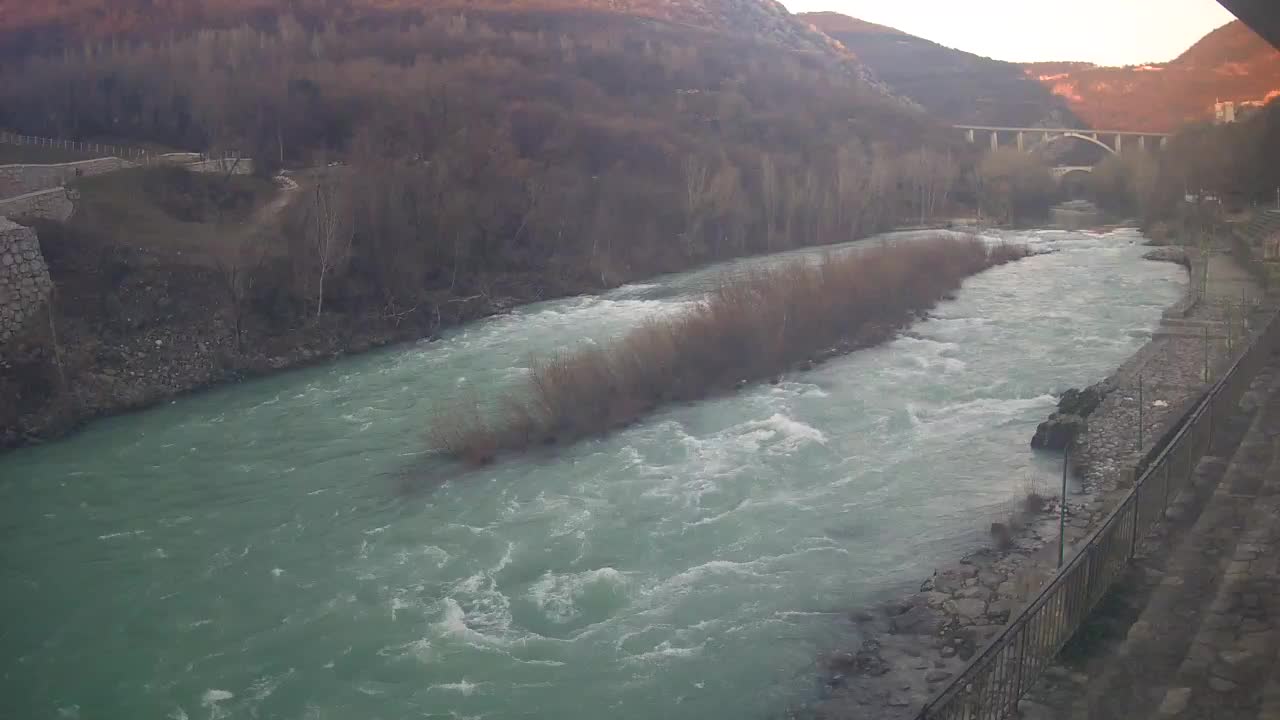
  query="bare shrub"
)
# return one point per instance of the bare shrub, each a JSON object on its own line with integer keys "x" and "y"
{"x": 1004, "y": 252}
{"x": 750, "y": 327}
{"x": 1034, "y": 499}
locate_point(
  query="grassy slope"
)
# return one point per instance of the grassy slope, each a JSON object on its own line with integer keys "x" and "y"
{"x": 171, "y": 214}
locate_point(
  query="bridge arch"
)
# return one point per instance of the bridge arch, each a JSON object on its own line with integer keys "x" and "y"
{"x": 1080, "y": 136}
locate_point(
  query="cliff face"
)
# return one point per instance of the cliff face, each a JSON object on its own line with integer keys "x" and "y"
{"x": 1231, "y": 63}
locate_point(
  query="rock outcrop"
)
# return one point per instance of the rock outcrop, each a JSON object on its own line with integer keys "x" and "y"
{"x": 1062, "y": 427}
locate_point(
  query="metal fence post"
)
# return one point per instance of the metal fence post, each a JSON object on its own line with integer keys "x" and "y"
{"x": 1213, "y": 420}
{"x": 1137, "y": 508}
{"x": 1168, "y": 475}
{"x": 1062, "y": 507}
{"x": 1140, "y": 409}
{"x": 1206, "y": 353}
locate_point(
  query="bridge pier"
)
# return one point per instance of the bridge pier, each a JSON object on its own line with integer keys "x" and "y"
{"x": 1020, "y": 148}
{"x": 995, "y": 139}
{"x": 1119, "y": 144}
{"x": 1142, "y": 142}
{"x": 969, "y": 132}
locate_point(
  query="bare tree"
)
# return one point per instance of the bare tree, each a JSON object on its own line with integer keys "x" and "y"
{"x": 930, "y": 175}
{"x": 697, "y": 190}
{"x": 238, "y": 259}
{"x": 329, "y": 230}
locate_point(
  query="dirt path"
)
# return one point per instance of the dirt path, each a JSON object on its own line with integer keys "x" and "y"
{"x": 266, "y": 215}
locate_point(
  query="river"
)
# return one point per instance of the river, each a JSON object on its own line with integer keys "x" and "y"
{"x": 283, "y": 548}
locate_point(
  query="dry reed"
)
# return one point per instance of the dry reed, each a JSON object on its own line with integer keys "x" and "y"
{"x": 751, "y": 327}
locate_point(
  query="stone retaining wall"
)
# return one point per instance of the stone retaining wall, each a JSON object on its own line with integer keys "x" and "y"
{"x": 52, "y": 204}
{"x": 24, "y": 278}
{"x": 24, "y": 179}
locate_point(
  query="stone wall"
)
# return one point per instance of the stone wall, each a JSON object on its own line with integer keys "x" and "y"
{"x": 23, "y": 179}
{"x": 53, "y": 204}
{"x": 24, "y": 278}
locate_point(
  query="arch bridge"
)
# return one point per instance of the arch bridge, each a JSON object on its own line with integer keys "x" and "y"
{"x": 1032, "y": 139}
{"x": 1028, "y": 139}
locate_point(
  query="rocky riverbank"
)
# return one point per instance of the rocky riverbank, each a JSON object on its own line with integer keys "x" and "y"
{"x": 162, "y": 332}
{"x": 911, "y": 647}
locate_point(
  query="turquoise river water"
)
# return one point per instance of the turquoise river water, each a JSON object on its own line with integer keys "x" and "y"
{"x": 284, "y": 549}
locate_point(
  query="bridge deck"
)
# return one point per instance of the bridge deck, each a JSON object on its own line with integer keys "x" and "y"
{"x": 1060, "y": 131}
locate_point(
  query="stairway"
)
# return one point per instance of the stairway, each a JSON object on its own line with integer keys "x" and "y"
{"x": 1193, "y": 632}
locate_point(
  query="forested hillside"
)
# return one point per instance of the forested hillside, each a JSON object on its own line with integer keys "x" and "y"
{"x": 27, "y": 27}
{"x": 607, "y": 143}
{"x": 453, "y": 162}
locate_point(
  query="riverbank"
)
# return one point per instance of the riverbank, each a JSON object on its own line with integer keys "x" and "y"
{"x": 909, "y": 648}
{"x": 163, "y": 333}
{"x": 129, "y": 328}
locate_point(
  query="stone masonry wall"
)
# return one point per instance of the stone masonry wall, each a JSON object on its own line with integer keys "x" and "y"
{"x": 54, "y": 204}
{"x": 24, "y": 278}
{"x": 23, "y": 179}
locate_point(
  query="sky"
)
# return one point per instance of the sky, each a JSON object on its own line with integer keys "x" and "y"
{"x": 1105, "y": 32}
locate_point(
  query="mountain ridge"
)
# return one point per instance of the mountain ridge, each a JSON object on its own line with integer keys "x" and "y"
{"x": 50, "y": 27}
{"x": 1230, "y": 63}
{"x": 953, "y": 85}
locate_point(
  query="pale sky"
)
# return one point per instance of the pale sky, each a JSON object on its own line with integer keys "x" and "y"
{"x": 1106, "y": 32}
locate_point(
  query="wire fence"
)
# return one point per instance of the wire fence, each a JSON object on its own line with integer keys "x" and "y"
{"x": 995, "y": 680}
{"x": 138, "y": 155}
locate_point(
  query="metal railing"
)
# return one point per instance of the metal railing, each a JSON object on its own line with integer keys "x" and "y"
{"x": 995, "y": 680}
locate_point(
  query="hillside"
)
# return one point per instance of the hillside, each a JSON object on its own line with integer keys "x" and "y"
{"x": 953, "y": 85}
{"x": 1231, "y": 63}
{"x": 27, "y": 27}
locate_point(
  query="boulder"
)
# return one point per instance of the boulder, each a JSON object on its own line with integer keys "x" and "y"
{"x": 1057, "y": 432}
{"x": 1080, "y": 402}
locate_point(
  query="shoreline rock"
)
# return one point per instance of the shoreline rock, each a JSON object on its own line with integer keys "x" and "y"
{"x": 1071, "y": 418}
